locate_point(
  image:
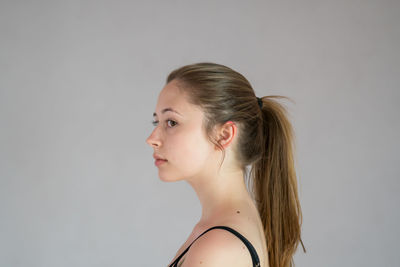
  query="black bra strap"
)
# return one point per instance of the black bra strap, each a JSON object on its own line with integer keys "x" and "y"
{"x": 253, "y": 253}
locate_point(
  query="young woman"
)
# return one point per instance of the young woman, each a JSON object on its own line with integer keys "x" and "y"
{"x": 209, "y": 127}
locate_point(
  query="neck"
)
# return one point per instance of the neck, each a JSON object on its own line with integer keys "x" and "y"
{"x": 219, "y": 193}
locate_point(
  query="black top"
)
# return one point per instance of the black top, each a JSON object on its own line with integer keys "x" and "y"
{"x": 253, "y": 253}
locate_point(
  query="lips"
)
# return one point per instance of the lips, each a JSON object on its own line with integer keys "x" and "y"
{"x": 158, "y": 157}
{"x": 159, "y": 160}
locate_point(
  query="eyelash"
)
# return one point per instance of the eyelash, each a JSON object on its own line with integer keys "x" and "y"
{"x": 175, "y": 123}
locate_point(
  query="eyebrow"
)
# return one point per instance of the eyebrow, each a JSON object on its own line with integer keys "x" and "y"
{"x": 165, "y": 110}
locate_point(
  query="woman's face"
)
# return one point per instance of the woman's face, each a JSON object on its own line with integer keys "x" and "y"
{"x": 178, "y": 136}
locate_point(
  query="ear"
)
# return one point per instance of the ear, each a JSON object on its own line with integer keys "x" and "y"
{"x": 226, "y": 133}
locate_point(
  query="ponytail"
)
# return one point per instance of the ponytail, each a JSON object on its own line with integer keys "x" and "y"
{"x": 275, "y": 185}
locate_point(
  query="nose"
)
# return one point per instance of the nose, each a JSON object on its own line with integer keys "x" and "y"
{"x": 153, "y": 141}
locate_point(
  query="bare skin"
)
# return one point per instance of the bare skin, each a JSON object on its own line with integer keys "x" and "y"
{"x": 180, "y": 139}
{"x": 246, "y": 221}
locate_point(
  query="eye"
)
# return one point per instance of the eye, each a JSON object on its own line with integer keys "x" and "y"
{"x": 173, "y": 123}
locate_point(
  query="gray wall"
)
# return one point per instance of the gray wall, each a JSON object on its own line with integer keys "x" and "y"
{"x": 79, "y": 81}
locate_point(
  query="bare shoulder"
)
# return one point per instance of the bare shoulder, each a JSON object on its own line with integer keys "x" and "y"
{"x": 217, "y": 247}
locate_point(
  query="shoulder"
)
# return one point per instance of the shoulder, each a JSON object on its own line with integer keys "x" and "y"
{"x": 217, "y": 247}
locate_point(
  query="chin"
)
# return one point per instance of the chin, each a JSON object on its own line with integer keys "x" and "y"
{"x": 165, "y": 179}
{"x": 169, "y": 178}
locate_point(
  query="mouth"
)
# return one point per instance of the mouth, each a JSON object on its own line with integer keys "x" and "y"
{"x": 156, "y": 157}
{"x": 159, "y": 162}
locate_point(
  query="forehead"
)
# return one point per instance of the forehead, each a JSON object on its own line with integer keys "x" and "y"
{"x": 171, "y": 96}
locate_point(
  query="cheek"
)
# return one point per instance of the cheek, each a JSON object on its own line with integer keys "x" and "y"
{"x": 190, "y": 152}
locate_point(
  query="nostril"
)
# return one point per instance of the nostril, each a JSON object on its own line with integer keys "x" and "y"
{"x": 153, "y": 143}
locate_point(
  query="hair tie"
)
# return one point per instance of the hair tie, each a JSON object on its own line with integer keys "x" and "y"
{"x": 260, "y": 102}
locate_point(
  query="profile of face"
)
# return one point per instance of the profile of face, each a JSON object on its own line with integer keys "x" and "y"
{"x": 178, "y": 136}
